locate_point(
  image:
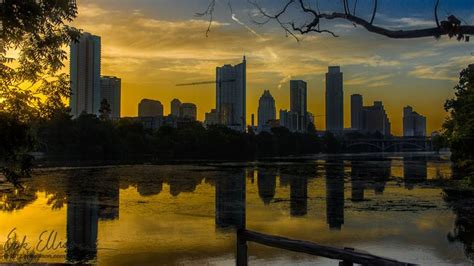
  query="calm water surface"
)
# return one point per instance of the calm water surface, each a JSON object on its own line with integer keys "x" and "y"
{"x": 390, "y": 206}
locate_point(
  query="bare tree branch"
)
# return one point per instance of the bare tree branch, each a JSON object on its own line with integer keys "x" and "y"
{"x": 355, "y": 6}
{"x": 208, "y": 12}
{"x": 374, "y": 12}
{"x": 436, "y": 13}
{"x": 276, "y": 17}
{"x": 451, "y": 26}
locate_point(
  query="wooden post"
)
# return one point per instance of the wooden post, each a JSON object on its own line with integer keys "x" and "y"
{"x": 242, "y": 257}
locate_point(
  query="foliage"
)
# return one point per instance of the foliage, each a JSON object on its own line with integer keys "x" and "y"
{"x": 36, "y": 30}
{"x": 89, "y": 137}
{"x": 16, "y": 140}
{"x": 439, "y": 142}
{"x": 32, "y": 40}
{"x": 459, "y": 127}
{"x": 104, "y": 110}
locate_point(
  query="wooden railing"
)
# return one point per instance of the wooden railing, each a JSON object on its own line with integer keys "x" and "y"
{"x": 346, "y": 256}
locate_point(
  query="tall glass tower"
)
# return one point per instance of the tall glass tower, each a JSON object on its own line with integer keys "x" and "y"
{"x": 334, "y": 100}
{"x": 85, "y": 75}
{"x": 231, "y": 86}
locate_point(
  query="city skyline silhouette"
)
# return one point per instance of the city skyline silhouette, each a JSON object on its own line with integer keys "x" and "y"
{"x": 159, "y": 46}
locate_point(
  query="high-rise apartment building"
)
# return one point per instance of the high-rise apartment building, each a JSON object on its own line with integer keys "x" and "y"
{"x": 85, "y": 75}
{"x": 414, "y": 124}
{"x": 298, "y": 102}
{"x": 231, "y": 95}
{"x": 334, "y": 100}
{"x": 110, "y": 90}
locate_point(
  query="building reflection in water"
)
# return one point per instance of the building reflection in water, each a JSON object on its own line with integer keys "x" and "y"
{"x": 381, "y": 173}
{"x": 230, "y": 200}
{"x": 82, "y": 227}
{"x": 266, "y": 183}
{"x": 335, "y": 194}
{"x": 298, "y": 195}
{"x": 109, "y": 200}
{"x": 364, "y": 176}
{"x": 87, "y": 202}
{"x": 92, "y": 198}
{"x": 297, "y": 176}
{"x": 358, "y": 181}
{"x": 415, "y": 170}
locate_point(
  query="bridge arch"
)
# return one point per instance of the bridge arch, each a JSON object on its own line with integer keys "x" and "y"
{"x": 352, "y": 145}
{"x": 405, "y": 144}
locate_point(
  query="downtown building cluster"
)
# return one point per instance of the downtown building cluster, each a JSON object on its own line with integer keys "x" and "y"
{"x": 90, "y": 91}
{"x": 150, "y": 113}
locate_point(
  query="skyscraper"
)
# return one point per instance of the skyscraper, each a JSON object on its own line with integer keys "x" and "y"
{"x": 375, "y": 119}
{"x": 110, "y": 90}
{"x": 356, "y": 112}
{"x": 231, "y": 95}
{"x": 414, "y": 124}
{"x": 188, "y": 111}
{"x": 266, "y": 109}
{"x": 334, "y": 100}
{"x": 175, "y": 105}
{"x": 150, "y": 108}
{"x": 298, "y": 102}
{"x": 85, "y": 75}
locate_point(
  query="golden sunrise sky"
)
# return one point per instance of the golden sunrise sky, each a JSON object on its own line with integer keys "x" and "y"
{"x": 152, "y": 45}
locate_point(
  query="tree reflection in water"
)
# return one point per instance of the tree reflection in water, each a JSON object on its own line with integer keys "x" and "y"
{"x": 462, "y": 204}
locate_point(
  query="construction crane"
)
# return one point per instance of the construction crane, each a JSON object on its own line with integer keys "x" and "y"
{"x": 204, "y": 82}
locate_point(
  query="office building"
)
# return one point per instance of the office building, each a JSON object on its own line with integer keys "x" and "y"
{"x": 150, "y": 108}
{"x": 110, "y": 90}
{"x": 266, "y": 110}
{"x": 85, "y": 75}
{"x": 334, "y": 100}
{"x": 298, "y": 102}
{"x": 289, "y": 120}
{"x": 414, "y": 124}
{"x": 357, "y": 106}
{"x": 231, "y": 95}
{"x": 188, "y": 111}
{"x": 175, "y": 106}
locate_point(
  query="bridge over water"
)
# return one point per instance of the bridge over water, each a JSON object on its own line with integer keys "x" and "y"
{"x": 392, "y": 144}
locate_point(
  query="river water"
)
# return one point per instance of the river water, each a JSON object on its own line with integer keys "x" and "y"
{"x": 391, "y": 205}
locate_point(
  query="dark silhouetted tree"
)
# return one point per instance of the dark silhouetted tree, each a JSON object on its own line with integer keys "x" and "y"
{"x": 459, "y": 127}
{"x": 104, "y": 110}
{"x": 31, "y": 86}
